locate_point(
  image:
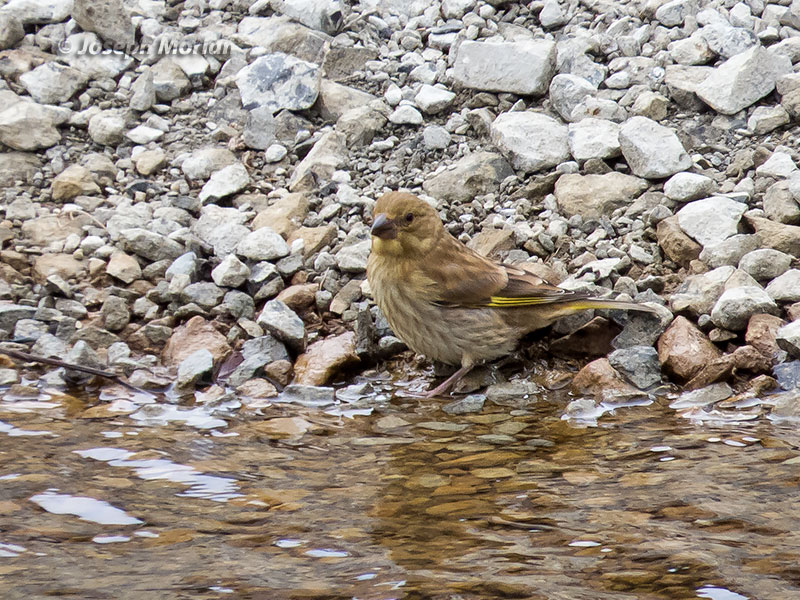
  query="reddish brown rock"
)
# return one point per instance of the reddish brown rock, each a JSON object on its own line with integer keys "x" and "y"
{"x": 279, "y": 371}
{"x": 748, "y": 358}
{"x": 718, "y": 369}
{"x": 195, "y": 334}
{"x": 323, "y": 359}
{"x": 299, "y": 297}
{"x": 761, "y": 331}
{"x": 678, "y": 246}
{"x": 603, "y": 381}
{"x": 257, "y": 388}
{"x": 62, "y": 265}
{"x": 785, "y": 238}
{"x": 684, "y": 350}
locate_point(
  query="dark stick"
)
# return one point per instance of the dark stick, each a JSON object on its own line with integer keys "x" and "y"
{"x": 60, "y": 363}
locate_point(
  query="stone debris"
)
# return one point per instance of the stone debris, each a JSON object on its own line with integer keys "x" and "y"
{"x": 180, "y": 208}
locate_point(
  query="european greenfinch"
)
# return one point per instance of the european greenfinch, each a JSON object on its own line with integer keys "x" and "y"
{"x": 451, "y": 304}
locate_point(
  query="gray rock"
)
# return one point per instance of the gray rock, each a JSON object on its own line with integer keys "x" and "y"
{"x": 262, "y": 244}
{"x": 765, "y": 264}
{"x": 7, "y": 376}
{"x": 275, "y": 153}
{"x": 185, "y": 264}
{"x": 53, "y": 83}
{"x": 693, "y": 50}
{"x": 698, "y": 294}
{"x": 432, "y": 100}
{"x": 83, "y": 52}
{"x": 767, "y": 118}
{"x": 785, "y": 287}
{"x": 11, "y": 30}
{"x": 405, "y": 114}
{"x": 194, "y": 367}
{"x": 742, "y": 80}
{"x": 108, "y": 127}
{"x": 149, "y": 245}
{"x": 115, "y": 313}
{"x": 360, "y": 125}
{"x": 282, "y": 322}
{"x": 531, "y": 141}
{"x": 567, "y": 91}
{"x": 639, "y": 365}
{"x": 259, "y": 129}
{"x": 736, "y": 305}
{"x": 336, "y": 99}
{"x": 49, "y": 346}
{"x": 221, "y": 227}
{"x": 279, "y": 81}
{"x": 205, "y": 161}
{"x": 552, "y": 14}
{"x": 225, "y": 182}
{"x": 673, "y": 13}
{"x": 18, "y": 166}
{"x": 684, "y": 187}
{"x": 28, "y": 125}
{"x": 727, "y": 41}
{"x": 353, "y": 258}
{"x": 780, "y": 202}
{"x": 37, "y": 12}
{"x": 323, "y": 15}
{"x": 593, "y": 196}
{"x": 641, "y": 328}
{"x": 778, "y": 166}
{"x": 30, "y": 329}
{"x": 516, "y": 394}
{"x": 169, "y": 80}
{"x": 788, "y": 375}
{"x": 473, "y": 175}
{"x": 107, "y": 18}
{"x": 143, "y": 91}
{"x": 256, "y": 354}
{"x": 594, "y": 138}
{"x": 231, "y": 272}
{"x": 239, "y": 304}
{"x": 11, "y": 313}
{"x": 22, "y": 209}
{"x": 711, "y": 220}
{"x": 435, "y": 137}
{"x": 522, "y": 67}
{"x": 652, "y": 150}
{"x": 788, "y": 338}
{"x": 205, "y": 294}
{"x": 328, "y": 154}
{"x": 307, "y": 395}
{"x": 730, "y": 250}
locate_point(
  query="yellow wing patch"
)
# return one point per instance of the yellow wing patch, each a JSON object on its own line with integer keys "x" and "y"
{"x": 504, "y": 302}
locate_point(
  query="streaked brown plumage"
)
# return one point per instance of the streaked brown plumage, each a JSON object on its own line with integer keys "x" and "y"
{"x": 449, "y": 303}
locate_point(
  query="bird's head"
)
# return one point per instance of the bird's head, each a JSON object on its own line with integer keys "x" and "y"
{"x": 404, "y": 225}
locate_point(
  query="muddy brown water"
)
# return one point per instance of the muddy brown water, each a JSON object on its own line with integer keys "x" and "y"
{"x": 101, "y": 499}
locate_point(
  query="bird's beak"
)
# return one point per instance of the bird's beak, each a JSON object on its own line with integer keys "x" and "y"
{"x": 383, "y": 227}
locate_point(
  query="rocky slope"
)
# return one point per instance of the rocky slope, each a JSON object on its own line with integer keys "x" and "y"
{"x": 206, "y": 186}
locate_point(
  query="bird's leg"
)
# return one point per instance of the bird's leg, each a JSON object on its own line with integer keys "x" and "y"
{"x": 449, "y": 382}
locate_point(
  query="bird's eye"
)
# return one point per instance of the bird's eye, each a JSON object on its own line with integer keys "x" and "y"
{"x": 409, "y": 217}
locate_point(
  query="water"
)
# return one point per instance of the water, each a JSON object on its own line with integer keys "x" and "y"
{"x": 406, "y": 501}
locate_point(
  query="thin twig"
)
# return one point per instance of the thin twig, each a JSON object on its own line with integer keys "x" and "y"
{"x": 60, "y": 363}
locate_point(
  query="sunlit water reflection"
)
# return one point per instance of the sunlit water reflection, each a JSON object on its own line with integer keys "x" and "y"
{"x": 397, "y": 499}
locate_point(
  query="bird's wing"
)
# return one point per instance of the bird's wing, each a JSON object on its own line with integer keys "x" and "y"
{"x": 460, "y": 277}
{"x": 524, "y": 288}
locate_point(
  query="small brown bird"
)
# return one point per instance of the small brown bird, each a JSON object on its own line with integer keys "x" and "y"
{"x": 448, "y": 302}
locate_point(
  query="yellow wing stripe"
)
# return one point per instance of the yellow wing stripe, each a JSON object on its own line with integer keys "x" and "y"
{"x": 501, "y": 301}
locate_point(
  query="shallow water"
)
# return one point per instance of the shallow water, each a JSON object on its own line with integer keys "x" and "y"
{"x": 405, "y": 502}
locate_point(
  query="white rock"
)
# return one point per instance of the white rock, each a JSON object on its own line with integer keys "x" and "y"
{"x": 788, "y": 338}
{"x": 530, "y": 141}
{"x": 780, "y": 166}
{"x": 53, "y": 83}
{"x": 785, "y": 287}
{"x": 711, "y": 220}
{"x": 201, "y": 163}
{"x": 652, "y": 150}
{"x": 275, "y": 153}
{"x": 742, "y": 80}
{"x": 405, "y": 114}
{"x": 674, "y": 12}
{"x": 26, "y": 125}
{"x": 567, "y": 92}
{"x": 766, "y": 118}
{"x": 594, "y": 138}
{"x": 522, "y": 67}
{"x": 689, "y": 186}
{"x": 433, "y": 99}
{"x": 765, "y": 264}
{"x": 142, "y": 134}
{"x": 39, "y": 11}
{"x": 262, "y": 244}
{"x": 736, "y": 305}
{"x": 552, "y": 14}
{"x": 693, "y": 50}
{"x": 435, "y": 137}
{"x": 225, "y": 182}
{"x": 231, "y": 272}
{"x": 107, "y": 127}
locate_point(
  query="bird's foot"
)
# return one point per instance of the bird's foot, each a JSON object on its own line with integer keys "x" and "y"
{"x": 447, "y": 384}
